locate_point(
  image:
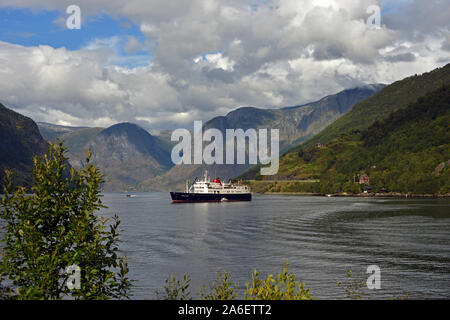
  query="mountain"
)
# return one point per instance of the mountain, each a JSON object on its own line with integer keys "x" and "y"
{"x": 76, "y": 141}
{"x": 51, "y": 132}
{"x": 407, "y": 151}
{"x": 125, "y": 153}
{"x": 296, "y": 124}
{"x": 393, "y": 97}
{"x": 20, "y": 140}
{"x": 164, "y": 135}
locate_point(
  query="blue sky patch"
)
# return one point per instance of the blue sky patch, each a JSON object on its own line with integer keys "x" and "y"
{"x": 42, "y": 27}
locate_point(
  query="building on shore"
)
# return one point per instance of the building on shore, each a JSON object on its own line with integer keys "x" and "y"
{"x": 364, "y": 179}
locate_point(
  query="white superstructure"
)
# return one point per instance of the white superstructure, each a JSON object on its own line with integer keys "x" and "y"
{"x": 215, "y": 187}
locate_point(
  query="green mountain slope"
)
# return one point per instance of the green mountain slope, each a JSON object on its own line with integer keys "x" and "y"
{"x": 76, "y": 141}
{"x": 393, "y": 97}
{"x": 379, "y": 106}
{"x": 408, "y": 152}
{"x": 19, "y": 141}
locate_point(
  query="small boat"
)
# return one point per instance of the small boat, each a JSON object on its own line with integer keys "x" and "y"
{"x": 212, "y": 191}
{"x": 131, "y": 196}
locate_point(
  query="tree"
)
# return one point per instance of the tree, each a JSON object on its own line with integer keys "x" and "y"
{"x": 55, "y": 246}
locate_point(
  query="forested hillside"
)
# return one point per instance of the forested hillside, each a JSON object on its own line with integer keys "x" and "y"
{"x": 408, "y": 152}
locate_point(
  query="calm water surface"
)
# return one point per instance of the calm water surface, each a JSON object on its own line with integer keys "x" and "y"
{"x": 321, "y": 237}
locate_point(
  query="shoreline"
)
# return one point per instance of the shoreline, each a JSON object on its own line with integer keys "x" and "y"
{"x": 369, "y": 195}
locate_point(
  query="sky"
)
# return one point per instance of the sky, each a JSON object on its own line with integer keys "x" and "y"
{"x": 165, "y": 64}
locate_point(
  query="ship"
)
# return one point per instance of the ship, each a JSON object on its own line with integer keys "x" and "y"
{"x": 206, "y": 190}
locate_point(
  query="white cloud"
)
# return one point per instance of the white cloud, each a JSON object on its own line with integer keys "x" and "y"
{"x": 212, "y": 56}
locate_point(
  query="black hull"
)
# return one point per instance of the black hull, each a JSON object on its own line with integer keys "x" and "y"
{"x": 181, "y": 197}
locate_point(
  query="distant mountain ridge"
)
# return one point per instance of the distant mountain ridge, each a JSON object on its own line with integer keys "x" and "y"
{"x": 296, "y": 124}
{"x": 51, "y": 132}
{"x": 150, "y": 166}
{"x": 142, "y": 140}
{"x": 125, "y": 153}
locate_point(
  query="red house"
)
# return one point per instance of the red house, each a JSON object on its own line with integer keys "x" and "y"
{"x": 364, "y": 179}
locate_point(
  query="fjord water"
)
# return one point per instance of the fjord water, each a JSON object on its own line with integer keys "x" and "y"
{"x": 320, "y": 237}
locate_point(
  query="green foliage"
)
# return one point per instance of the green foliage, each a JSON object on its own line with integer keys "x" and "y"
{"x": 281, "y": 287}
{"x": 175, "y": 289}
{"x": 221, "y": 289}
{"x": 267, "y": 186}
{"x": 354, "y": 289}
{"x": 56, "y": 227}
{"x": 401, "y": 296}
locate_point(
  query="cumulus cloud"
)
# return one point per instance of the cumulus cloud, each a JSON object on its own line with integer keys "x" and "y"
{"x": 446, "y": 43}
{"x": 417, "y": 19}
{"x": 407, "y": 57}
{"x": 211, "y": 56}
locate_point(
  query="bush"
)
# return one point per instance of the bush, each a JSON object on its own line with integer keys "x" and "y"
{"x": 282, "y": 287}
{"x": 221, "y": 289}
{"x": 175, "y": 289}
{"x": 354, "y": 289}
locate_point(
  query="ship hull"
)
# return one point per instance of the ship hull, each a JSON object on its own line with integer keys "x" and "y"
{"x": 182, "y": 197}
